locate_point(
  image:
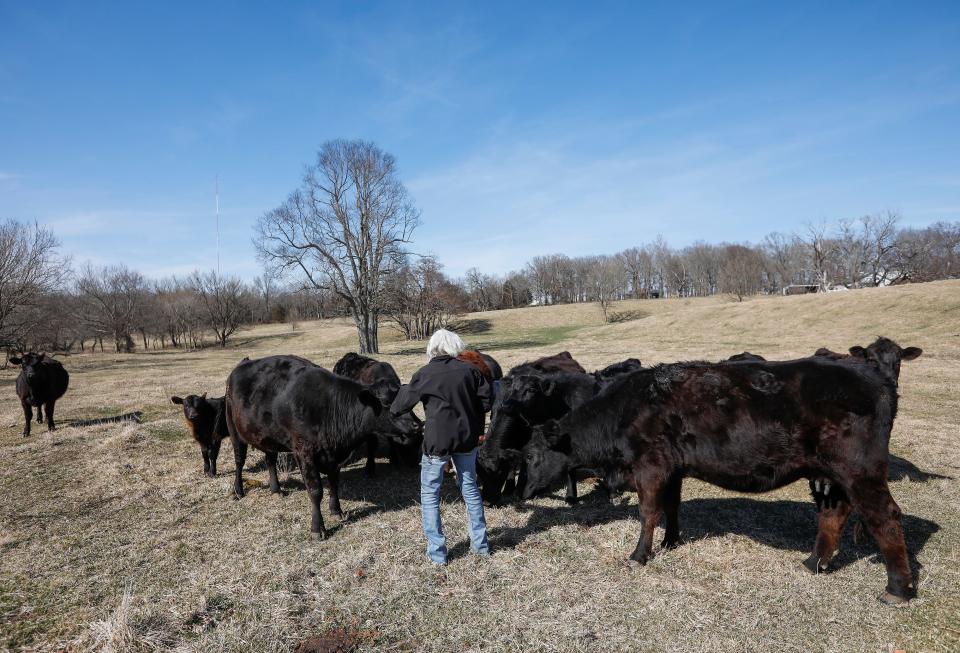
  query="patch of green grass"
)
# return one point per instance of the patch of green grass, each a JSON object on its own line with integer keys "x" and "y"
{"x": 166, "y": 432}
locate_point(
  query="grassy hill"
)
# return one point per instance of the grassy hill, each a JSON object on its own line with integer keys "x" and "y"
{"x": 112, "y": 538}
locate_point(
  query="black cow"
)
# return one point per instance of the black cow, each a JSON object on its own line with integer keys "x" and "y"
{"x": 369, "y": 371}
{"x": 750, "y": 427}
{"x": 41, "y": 382}
{"x": 535, "y": 393}
{"x": 286, "y": 403}
{"x": 495, "y": 461}
{"x": 611, "y": 372}
{"x": 208, "y": 426}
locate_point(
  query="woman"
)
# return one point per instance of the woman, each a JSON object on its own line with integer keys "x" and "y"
{"x": 455, "y": 396}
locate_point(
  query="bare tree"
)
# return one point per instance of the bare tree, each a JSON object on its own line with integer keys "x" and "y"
{"x": 742, "y": 271}
{"x": 222, "y": 301}
{"x": 344, "y": 230}
{"x": 29, "y": 268}
{"x": 607, "y": 277}
{"x": 422, "y": 299}
{"x": 880, "y": 247}
{"x": 821, "y": 249}
{"x": 113, "y": 298}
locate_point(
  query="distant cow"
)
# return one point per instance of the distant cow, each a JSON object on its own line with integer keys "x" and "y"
{"x": 286, "y": 403}
{"x": 207, "y": 424}
{"x": 749, "y": 427}
{"x": 369, "y": 371}
{"x": 41, "y": 382}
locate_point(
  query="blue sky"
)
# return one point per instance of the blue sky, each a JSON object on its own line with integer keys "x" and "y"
{"x": 519, "y": 130}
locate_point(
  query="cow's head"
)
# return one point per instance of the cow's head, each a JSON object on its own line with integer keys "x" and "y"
{"x": 886, "y": 355}
{"x": 406, "y": 428}
{"x": 546, "y": 458}
{"x": 29, "y": 364}
{"x": 193, "y": 405}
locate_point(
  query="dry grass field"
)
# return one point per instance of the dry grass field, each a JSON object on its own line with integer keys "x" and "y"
{"x": 111, "y": 539}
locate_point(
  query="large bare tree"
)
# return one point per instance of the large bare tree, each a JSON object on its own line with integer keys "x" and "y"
{"x": 30, "y": 267}
{"x": 344, "y": 229}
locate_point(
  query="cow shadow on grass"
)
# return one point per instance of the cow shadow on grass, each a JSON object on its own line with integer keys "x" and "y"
{"x": 901, "y": 468}
{"x": 781, "y": 524}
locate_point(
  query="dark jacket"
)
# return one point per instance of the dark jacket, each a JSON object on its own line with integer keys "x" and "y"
{"x": 455, "y": 397}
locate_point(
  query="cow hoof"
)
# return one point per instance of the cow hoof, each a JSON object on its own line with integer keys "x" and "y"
{"x": 51, "y": 429}
{"x": 672, "y": 544}
{"x": 893, "y": 600}
{"x": 639, "y": 561}
{"x": 25, "y": 434}
{"x": 814, "y": 566}
{"x": 319, "y": 536}
{"x": 238, "y": 494}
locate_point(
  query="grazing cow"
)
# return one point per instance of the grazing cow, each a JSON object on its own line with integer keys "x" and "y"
{"x": 495, "y": 464}
{"x": 286, "y": 403}
{"x": 208, "y": 426}
{"x": 41, "y": 382}
{"x": 369, "y": 371}
{"x": 750, "y": 427}
{"x": 533, "y": 397}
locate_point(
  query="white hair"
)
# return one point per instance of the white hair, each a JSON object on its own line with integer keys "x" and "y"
{"x": 444, "y": 342}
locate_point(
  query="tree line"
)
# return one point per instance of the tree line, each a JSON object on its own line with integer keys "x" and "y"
{"x": 339, "y": 245}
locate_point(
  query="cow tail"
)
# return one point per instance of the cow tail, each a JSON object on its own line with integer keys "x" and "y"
{"x": 220, "y": 422}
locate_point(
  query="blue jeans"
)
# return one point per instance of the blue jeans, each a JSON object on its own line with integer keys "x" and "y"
{"x": 431, "y": 478}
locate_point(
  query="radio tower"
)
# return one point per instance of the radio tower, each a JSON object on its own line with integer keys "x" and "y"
{"x": 216, "y": 192}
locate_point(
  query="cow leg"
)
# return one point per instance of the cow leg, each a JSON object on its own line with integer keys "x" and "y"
{"x": 51, "y": 426}
{"x": 206, "y": 460}
{"x": 39, "y": 414}
{"x": 28, "y": 415}
{"x": 651, "y": 510}
{"x": 882, "y": 516}
{"x": 371, "y": 466}
{"x": 333, "y": 477}
{"x": 212, "y": 455}
{"x": 239, "y": 458}
{"x": 830, "y": 523}
{"x": 671, "y": 507}
{"x": 311, "y": 478}
{"x": 271, "y": 457}
{"x": 571, "y": 497}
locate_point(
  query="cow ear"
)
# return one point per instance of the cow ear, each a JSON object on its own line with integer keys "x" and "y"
{"x": 176, "y": 400}
{"x": 16, "y": 360}
{"x": 203, "y": 396}
{"x": 858, "y": 351}
{"x": 911, "y": 352}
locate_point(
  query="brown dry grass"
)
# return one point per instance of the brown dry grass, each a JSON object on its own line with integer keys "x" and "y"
{"x": 113, "y": 540}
